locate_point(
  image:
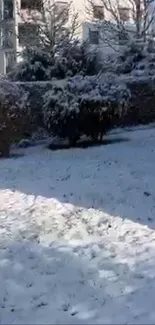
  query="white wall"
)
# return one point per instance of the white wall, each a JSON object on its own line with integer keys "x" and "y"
{"x": 2, "y": 63}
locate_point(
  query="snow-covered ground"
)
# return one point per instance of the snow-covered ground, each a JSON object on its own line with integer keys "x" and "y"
{"x": 77, "y": 234}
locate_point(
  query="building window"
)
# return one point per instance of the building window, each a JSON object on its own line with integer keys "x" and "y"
{"x": 7, "y": 38}
{"x": 124, "y": 13}
{"x": 28, "y": 34}
{"x": 8, "y": 9}
{"x": 9, "y": 61}
{"x": 62, "y": 10}
{"x": 31, "y": 4}
{"x": 98, "y": 12}
{"x": 94, "y": 37}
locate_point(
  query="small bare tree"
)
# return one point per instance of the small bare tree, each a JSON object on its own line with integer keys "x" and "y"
{"x": 124, "y": 20}
{"x": 50, "y": 22}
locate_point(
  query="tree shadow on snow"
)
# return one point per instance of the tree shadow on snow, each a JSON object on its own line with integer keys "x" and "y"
{"x": 92, "y": 178}
{"x": 62, "y": 284}
{"x": 74, "y": 284}
{"x": 84, "y": 144}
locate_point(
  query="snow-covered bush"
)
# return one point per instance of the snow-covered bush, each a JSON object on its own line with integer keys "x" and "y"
{"x": 85, "y": 106}
{"x": 135, "y": 59}
{"x": 36, "y": 66}
{"x": 72, "y": 58}
{"x": 103, "y": 106}
{"x": 128, "y": 58}
{"x": 61, "y": 114}
{"x": 76, "y": 58}
{"x": 14, "y": 114}
{"x": 141, "y": 108}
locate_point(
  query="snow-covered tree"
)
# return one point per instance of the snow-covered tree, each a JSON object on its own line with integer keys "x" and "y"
{"x": 71, "y": 58}
{"x": 54, "y": 51}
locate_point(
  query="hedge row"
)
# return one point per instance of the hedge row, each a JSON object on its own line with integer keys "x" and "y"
{"x": 142, "y": 102}
{"x": 24, "y": 106}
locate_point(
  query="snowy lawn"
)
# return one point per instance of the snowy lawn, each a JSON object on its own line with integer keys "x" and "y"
{"x": 77, "y": 234}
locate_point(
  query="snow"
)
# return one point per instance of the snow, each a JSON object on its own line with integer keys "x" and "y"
{"x": 77, "y": 239}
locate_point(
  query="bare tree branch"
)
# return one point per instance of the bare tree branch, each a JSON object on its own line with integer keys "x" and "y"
{"x": 112, "y": 27}
{"x": 54, "y": 24}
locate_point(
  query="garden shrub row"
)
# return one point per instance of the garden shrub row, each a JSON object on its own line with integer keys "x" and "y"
{"x": 78, "y": 106}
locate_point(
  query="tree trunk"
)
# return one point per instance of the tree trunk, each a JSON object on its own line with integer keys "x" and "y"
{"x": 138, "y": 18}
{"x": 5, "y": 149}
{"x": 4, "y": 143}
